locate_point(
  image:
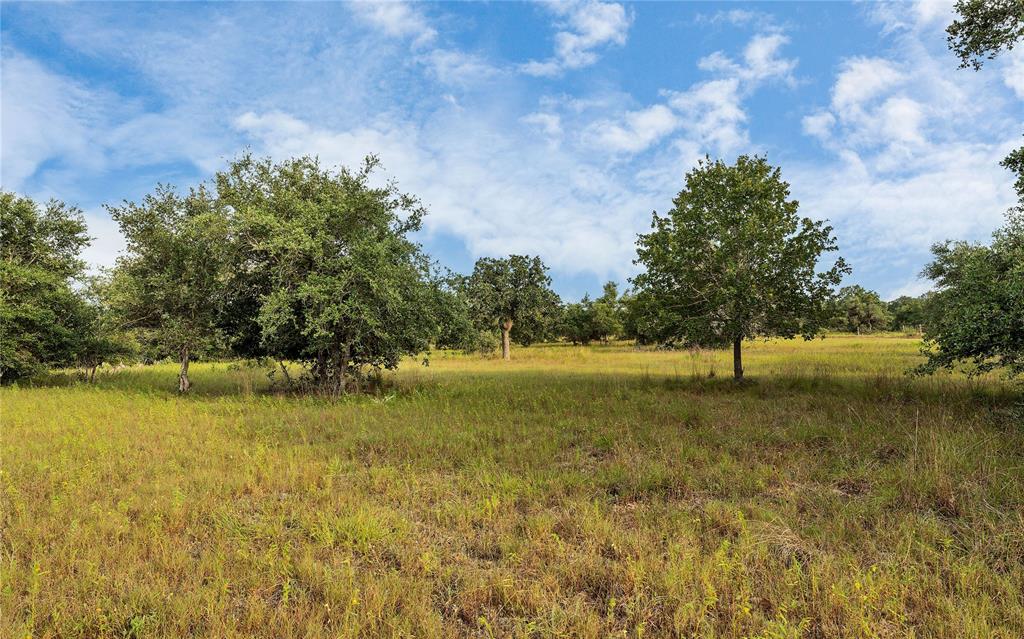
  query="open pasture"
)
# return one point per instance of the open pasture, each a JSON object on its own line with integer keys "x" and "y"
{"x": 574, "y": 492}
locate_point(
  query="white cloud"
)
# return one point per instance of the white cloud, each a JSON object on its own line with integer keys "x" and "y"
{"x": 499, "y": 192}
{"x": 819, "y": 125}
{"x": 549, "y": 123}
{"x": 454, "y": 67}
{"x": 735, "y": 17}
{"x": 44, "y": 116}
{"x": 901, "y": 119}
{"x": 916, "y": 146}
{"x": 637, "y": 131}
{"x": 713, "y": 114}
{"x": 912, "y": 15}
{"x": 107, "y": 242}
{"x": 861, "y": 79}
{"x": 1013, "y": 74}
{"x": 910, "y": 146}
{"x": 397, "y": 19}
{"x": 761, "y": 61}
{"x": 914, "y": 287}
{"x": 586, "y": 25}
{"x": 709, "y": 113}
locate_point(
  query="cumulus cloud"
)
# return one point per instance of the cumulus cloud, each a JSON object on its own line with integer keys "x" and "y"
{"x": 819, "y": 125}
{"x": 713, "y": 115}
{"x": 585, "y": 26}
{"x": 907, "y": 169}
{"x": 905, "y": 148}
{"x": 861, "y": 79}
{"x": 636, "y": 131}
{"x": 760, "y": 62}
{"x": 498, "y": 192}
{"x": 709, "y": 113}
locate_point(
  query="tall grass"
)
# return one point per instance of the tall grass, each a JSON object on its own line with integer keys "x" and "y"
{"x": 583, "y": 492}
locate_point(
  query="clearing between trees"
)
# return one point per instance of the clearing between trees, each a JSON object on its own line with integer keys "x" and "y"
{"x": 574, "y": 491}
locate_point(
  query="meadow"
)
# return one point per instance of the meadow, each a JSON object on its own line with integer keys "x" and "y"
{"x": 573, "y": 492}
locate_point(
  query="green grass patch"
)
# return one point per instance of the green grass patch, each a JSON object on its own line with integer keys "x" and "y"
{"x": 575, "y": 492}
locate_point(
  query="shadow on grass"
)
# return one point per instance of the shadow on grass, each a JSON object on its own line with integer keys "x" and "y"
{"x": 244, "y": 381}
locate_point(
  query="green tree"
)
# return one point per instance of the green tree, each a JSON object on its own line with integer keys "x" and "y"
{"x": 608, "y": 313}
{"x": 908, "y": 312}
{"x": 169, "y": 283}
{"x": 860, "y": 310}
{"x": 577, "y": 323}
{"x": 637, "y": 318}
{"x": 589, "y": 320}
{"x": 323, "y": 262}
{"x": 978, "y": 305}
{"x": 732, "y": 260}
{"x": 977, "y": 313}
{"x": 985, "y": 28}
{"x": 100, "y": 335}
{"x": 513, "y": 292}
{"x": 456, "y": 328}
{"x": 39, "y": 259}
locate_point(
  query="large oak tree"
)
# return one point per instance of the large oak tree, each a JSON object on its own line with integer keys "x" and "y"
{"x": 323, "y": 269}
{"x": 510, "y": 292}
{"x": 732, "y": 260}
{"x": 169, "y": 282}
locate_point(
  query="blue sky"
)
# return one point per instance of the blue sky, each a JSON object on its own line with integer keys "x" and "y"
{"x": 543, "y": 128}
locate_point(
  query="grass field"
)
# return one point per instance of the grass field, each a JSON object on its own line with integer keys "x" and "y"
{"x": 574, "y": 492}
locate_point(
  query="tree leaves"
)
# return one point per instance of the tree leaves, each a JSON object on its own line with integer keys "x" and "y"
{"x": 732, "y": 260}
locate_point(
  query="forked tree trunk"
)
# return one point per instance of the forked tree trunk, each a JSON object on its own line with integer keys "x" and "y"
{"x": 183, "y": 382}
{"x": 287, "y": 377}
{"x": 737, "y": 359}
{"x": 506, "y": 344}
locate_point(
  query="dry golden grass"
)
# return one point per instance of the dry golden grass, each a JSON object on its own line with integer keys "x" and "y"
{"x": 574, "y": 492}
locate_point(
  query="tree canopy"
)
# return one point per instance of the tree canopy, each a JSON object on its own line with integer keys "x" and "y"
{"x": 979, "y": 302}
{"x": 39, "y": 259}
{"x": 590, "y": 320}
{"x": 977, "y": 313}
{"x": 908, "y": 312}
{"x": 512, "y": 292}
{"x": 168, "y": 283}
{"x": 859, "y": 309}
{"x": 984, "y": 29}
{"x": 732, "y": 260}
{"x": 323, "y": 261}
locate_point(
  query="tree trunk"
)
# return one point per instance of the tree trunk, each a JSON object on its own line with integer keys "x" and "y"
{"x": 737, "y": 359}
{"x": 287, "y": 377}
{"x": 343, "y": 371}
{"x": 506, "y": 344}
{"x": 183, "y": 383}
{"x": 92, "y": 374}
